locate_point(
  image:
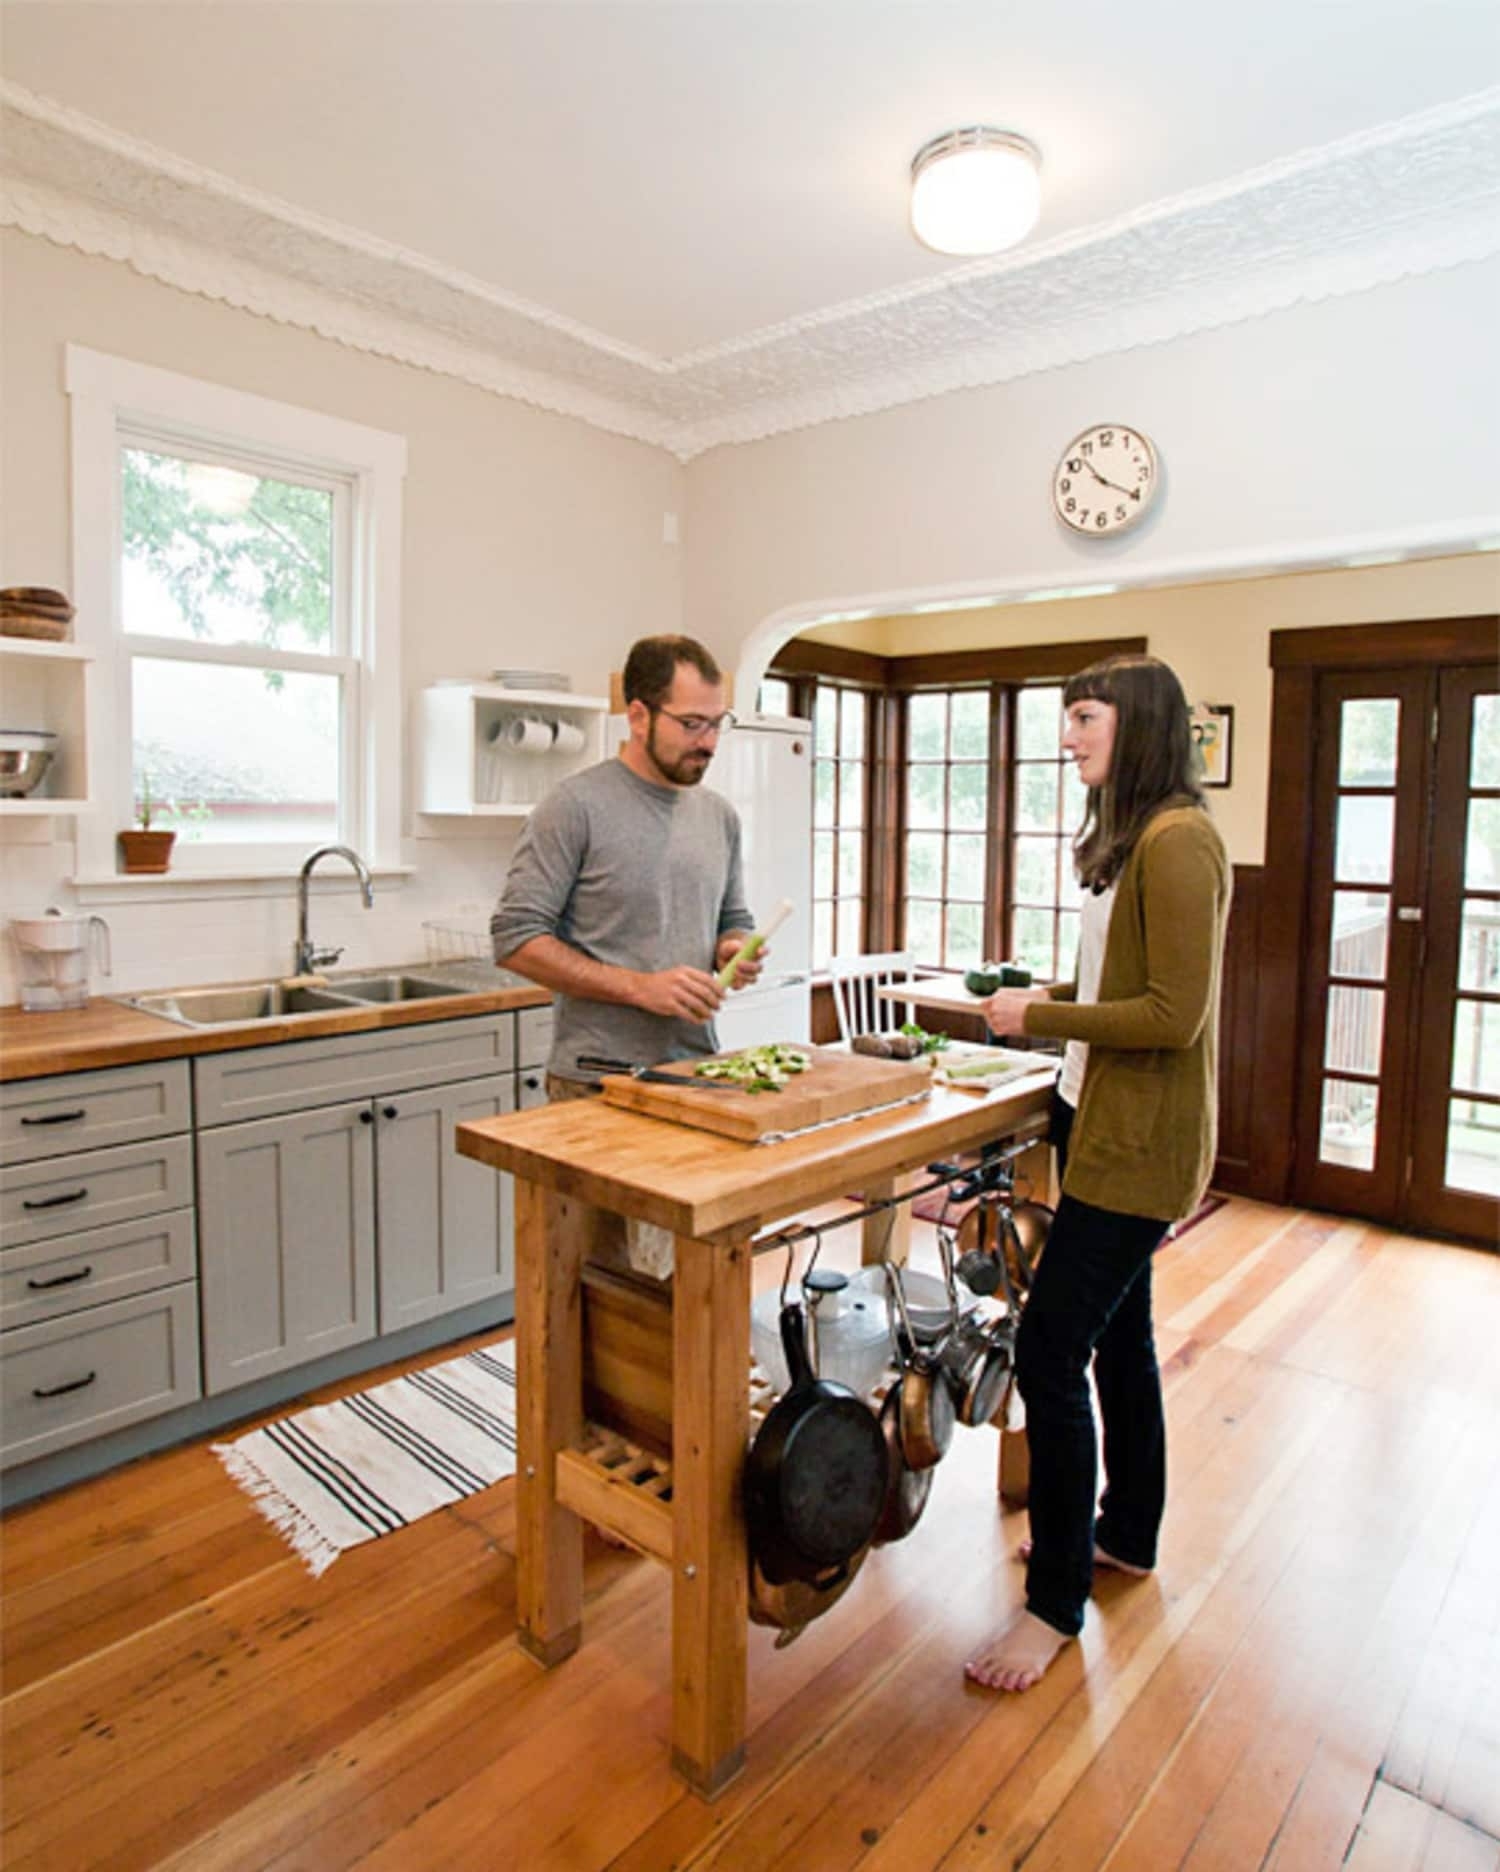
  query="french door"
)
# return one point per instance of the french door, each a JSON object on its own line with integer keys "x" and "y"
{"x": 1398, "y": 1107}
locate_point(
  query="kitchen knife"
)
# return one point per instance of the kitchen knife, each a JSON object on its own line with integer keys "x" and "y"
{"x": 653, "y": 1074}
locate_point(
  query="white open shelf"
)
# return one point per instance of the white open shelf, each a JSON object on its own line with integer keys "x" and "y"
{"x": 45, "y": 687}
{"x": 465, "y": 765}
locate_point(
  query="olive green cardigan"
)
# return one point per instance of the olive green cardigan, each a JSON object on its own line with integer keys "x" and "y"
{"x": 1144, "y": 1139}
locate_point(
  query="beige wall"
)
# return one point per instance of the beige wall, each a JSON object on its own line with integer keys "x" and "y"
{"x": 530, "y": 539}
{"x": 1216, "y": 636}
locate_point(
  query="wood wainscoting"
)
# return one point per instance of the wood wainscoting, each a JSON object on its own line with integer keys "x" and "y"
{"x": 1238, "y": 1169}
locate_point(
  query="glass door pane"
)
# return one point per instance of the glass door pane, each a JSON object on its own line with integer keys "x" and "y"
{"x": 1365, "y": 870}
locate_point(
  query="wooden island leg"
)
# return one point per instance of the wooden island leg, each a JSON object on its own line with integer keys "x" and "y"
{"x": 887, "y": 1237}
{"x": 710, "y": 1569}
{"x": 552, "y": 1233}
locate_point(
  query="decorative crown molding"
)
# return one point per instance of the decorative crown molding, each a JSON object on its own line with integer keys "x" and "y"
{"x": 1407, "y": 198}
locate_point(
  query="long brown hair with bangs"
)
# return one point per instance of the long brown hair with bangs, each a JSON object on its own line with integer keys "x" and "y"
{"x": 1155, "y": 763}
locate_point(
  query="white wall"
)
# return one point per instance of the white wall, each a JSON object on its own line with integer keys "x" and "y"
{"x": 1293, "y": 439}
{"x": 530, "y": 539}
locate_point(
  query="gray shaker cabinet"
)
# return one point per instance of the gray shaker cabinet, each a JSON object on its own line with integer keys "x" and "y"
{"x": 337, "y": 1217}
{"x": 286, "y": 1241}
{"x": 445, "y": 1228}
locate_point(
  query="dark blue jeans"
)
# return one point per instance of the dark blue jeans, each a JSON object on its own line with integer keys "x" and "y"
{"x": 1091, "y": 1302}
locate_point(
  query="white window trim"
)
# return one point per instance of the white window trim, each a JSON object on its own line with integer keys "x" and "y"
{"x": 110, "y": 394}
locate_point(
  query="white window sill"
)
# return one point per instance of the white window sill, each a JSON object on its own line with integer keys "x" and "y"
{"x": 186, "y": 886}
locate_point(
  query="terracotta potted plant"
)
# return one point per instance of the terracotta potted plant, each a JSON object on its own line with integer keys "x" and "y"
{"x": 147, "y": 847}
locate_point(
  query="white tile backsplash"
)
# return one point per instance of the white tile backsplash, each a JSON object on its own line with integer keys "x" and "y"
{"x": 178, "y": 944}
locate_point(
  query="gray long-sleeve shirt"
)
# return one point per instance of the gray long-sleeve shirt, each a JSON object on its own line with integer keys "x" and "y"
{"x": 645, "y": 877}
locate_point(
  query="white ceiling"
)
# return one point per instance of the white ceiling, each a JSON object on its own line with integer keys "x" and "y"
{"x": 627, "y": 195}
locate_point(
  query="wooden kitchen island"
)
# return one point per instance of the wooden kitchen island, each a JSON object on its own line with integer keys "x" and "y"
{"x": 577, "y": 1165}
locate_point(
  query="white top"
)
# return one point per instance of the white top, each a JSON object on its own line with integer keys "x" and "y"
{"x": 1093, "y": 932}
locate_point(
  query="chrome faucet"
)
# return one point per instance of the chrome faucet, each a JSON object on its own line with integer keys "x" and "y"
{"x": 309, "y": 958}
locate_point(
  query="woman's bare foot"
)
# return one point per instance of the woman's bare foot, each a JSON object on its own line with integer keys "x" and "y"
{"x": 1019, "y": 1657}
{"x": 1101, "y": 1558}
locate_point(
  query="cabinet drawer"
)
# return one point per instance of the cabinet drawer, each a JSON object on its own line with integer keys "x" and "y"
{"x": 533, "y": 1036}
{"x": 50, "y": 1278}
{"x": 77, "y": 1111}
{"x": 81, "y": 1377}
{"x": 93, "y": 1188}
{"x": 259, "y": 1082}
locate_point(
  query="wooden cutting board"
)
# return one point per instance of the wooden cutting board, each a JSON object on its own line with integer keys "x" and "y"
{"x": 836, "y": 1085}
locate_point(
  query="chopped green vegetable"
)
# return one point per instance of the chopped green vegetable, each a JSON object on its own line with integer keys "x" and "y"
{"x": 757, "y": 1069}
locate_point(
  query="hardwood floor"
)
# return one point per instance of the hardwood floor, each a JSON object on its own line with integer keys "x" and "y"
{"x": 1312, "y": 1677}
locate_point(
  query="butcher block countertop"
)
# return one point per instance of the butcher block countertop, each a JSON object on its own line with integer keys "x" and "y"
{"x": 106, "y": 1034}
{"x": 700, "y": 1184}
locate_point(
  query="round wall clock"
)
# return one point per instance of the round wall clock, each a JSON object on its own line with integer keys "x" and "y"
{"x": 1106, "y": 480}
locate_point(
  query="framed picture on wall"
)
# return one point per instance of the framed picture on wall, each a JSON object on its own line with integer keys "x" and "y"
{"x": 1213, "y": 730}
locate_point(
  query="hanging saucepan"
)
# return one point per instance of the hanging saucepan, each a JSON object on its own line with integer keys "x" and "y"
{"x": 816, "y": 1474}
{"x": 1026, "y": 1237}
{"x": 907, "y": 1490}
{"x": 981, "y": 1264}
{"x": 977, "y": 1357}
{"x": 793, "y": 1605}
{"x": 926, "y": 1402}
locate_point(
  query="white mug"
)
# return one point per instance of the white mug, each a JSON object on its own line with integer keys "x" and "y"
{"x": 527, "y": 735}
{"x": 568, "y": 738}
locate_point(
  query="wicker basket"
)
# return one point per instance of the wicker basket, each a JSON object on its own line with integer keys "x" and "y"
{"x": 35, "y": 611}
{"x": 35, "y": 624}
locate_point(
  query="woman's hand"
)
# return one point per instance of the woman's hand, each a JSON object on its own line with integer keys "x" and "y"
{"x": 1005, "y": 1011}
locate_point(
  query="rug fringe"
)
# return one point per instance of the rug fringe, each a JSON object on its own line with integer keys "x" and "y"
{"x": 311, "y": 1545}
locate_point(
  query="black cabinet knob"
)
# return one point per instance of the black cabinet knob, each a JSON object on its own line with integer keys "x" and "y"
{"x": 391, "y": 1112}
{"x": 367, "y": 1116}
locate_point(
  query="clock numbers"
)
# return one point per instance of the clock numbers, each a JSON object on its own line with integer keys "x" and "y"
{"x": 1105, "y": 481}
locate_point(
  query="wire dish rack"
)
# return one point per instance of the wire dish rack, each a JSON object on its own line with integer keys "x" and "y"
{"x": 460, "y": 947}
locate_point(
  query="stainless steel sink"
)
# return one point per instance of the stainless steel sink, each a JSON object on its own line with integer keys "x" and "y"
{"x": 258, "y": 1001}
{"x": 390, "y": 987}
{"x": 223, "y": 1007}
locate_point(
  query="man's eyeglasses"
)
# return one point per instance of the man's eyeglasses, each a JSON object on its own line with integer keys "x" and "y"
{"x": 699, "y": 727}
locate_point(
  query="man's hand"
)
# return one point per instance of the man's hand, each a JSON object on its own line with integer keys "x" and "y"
{"x": 681, "y": 993}
{"x": 749, "y": 970}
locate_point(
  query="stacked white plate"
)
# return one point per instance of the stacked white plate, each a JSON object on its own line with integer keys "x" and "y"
{"x": 531, "y": 679}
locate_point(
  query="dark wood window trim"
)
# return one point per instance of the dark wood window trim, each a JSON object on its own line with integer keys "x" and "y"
{"x": 888, "y": 681}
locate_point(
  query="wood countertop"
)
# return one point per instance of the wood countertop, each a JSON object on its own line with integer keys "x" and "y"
{"x": 104, "y": 1033}
{"x": 699, "y": 1184}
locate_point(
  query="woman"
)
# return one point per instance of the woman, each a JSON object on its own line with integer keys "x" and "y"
{"x": 1133, "y": 1125}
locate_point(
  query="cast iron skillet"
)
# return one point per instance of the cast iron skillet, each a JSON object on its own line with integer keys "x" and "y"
{"x": 816, "y": 1475}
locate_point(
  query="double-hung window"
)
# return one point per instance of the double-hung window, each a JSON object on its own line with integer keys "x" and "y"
{"x": 237, "y": 569}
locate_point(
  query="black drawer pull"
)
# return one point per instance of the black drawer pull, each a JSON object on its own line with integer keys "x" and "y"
{"x": 60, "y": 1280}
{"x": 62, "y": 1390}
{"x": 367, "y": 1117}
{"x": 55, "y": 1202}
{"x": 57, "y": 1117}
{"x": 390, "y": 1111}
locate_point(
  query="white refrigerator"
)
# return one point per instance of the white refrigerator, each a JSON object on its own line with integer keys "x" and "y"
{"x": 764, "y": 766}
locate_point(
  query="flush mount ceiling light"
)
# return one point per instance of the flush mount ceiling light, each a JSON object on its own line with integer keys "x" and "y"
{"x": 975, "y": 191}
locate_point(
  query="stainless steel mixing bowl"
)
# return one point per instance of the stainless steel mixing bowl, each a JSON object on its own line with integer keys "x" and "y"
{"x": 21, "y": 769}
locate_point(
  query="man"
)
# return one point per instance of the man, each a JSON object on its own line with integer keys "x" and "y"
{"x": 626, "y": 892}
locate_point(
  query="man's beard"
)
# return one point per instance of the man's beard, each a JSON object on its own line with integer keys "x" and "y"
{"x": 687, "y": 770}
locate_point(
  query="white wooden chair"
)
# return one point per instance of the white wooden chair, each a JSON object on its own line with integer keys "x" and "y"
{"x": 860, "y": 1009}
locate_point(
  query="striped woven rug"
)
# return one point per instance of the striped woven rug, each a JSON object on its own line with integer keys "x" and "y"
{"x": 340, "y": 1474}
